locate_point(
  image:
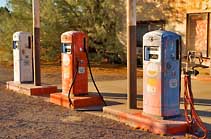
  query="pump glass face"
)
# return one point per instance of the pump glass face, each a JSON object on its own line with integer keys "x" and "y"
{"x": 15, "y": 44}
{"x": 67, "y": 48}
{"x": 153, "y": 56}
{"x": 151, "y": 53}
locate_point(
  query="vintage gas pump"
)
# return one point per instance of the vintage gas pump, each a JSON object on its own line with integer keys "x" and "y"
{"x": 22, "y": 55}
{"x": 74, "y": 63}
{"x": 23, "y": 67}
{"x": 161, "y": 78}
{"x": 74, "y": 73}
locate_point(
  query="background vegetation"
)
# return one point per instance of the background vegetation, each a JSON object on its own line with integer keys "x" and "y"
{"x": 102, "y": 20}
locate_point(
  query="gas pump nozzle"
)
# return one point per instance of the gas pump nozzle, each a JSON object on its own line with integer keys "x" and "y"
{"x": 193, "y": 63}
{"x": 192, "y": 117}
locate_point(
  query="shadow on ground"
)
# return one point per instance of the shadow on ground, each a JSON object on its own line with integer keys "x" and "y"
{"x": 119, "y": 96}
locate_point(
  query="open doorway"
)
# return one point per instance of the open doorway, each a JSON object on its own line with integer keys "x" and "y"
{"x": 142, "y": 28}
{"x": 198, "y": 32}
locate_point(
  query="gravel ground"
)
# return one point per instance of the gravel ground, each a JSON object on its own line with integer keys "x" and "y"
{"x": 25, "y": 117}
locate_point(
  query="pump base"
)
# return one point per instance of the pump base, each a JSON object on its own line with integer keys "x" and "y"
{"x": 30, "y": 89}
{"x": 136, "y": 119}
{"x": 77, "y": 101}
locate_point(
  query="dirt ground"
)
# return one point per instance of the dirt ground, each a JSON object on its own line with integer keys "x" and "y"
{"x": 24, "y": 117}
{"x": 107, "y": 72}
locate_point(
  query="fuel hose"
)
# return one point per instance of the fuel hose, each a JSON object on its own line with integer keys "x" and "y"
{"x": 90, "y": 71}
{"x": 194, "y": 122}
{"x": 73, "y": 82}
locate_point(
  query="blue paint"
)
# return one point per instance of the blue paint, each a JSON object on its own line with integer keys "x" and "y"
{"x": 161, "y": 48}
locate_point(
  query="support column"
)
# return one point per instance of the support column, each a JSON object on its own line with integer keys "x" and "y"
{"x": 36, "y": 42}
{"x": 131, "y": 55}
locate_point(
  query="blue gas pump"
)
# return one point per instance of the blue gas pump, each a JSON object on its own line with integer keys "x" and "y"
{"x": 161, "y": 76}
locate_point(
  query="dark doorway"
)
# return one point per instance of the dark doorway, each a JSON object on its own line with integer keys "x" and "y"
{"x": 198, "y": 32}
{"x": 142, "y": 28}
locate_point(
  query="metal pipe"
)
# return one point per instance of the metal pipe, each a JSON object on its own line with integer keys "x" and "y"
{"x": 36, "y": 42}
{"x": 131, "y": 55}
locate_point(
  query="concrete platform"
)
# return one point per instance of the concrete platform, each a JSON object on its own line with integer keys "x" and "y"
{"x": 136, "y": 119}
{"x": 77, "y": 101}
{"x": 30, "y": 89}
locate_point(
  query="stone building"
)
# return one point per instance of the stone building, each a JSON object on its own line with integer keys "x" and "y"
{"x": 189, "y": 18}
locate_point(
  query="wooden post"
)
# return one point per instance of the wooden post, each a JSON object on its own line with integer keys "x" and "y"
{"x": 36, "y": 42}
{"x": 131, "y": 55}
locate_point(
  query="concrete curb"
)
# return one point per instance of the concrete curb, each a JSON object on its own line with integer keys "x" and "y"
{"x": 137, "y": 119}
{"x": 30, "y": 89}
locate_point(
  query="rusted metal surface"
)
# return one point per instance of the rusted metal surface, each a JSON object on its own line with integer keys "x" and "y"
{"x": 72, "y": 61}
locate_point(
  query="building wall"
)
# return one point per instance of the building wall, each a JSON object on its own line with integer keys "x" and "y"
{"x": 172, "y": 11}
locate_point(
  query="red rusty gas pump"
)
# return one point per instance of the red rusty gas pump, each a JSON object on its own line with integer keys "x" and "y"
{"x": 74, "y": 63}
{"x": 75, "y": 73}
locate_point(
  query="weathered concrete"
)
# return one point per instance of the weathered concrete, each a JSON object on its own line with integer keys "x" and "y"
{"x": 31, "y": 89}
{"x": 115, "y": 92}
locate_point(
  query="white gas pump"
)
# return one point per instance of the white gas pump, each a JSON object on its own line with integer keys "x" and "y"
{"x": 22, "y": 57}
{"x": 161, "y": 77}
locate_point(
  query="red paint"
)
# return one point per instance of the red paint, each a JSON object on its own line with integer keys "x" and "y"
{"x": 30, "y": 89}
{"x": 137, "y": 119}
{"x": 77, "y": 102}
{"x": 70, "y": 62}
